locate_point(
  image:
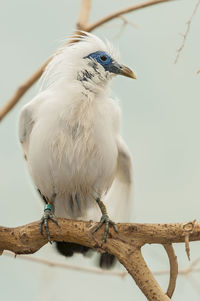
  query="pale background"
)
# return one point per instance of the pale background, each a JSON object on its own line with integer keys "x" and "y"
{"x": 160, "y": 124}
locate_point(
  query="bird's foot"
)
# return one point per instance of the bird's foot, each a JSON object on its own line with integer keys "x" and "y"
{"x": 105, "y": 220}
{"x": 48, "y": 215}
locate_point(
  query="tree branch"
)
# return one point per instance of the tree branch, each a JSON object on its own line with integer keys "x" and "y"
{"x": 137, "y": 267}
{"x": 82, "y": 24}
{"x": 67, "y": 266}
{"x": 83, "y": 19}
{"x": 185, "y": 35}
{"x": 124, "y": 11}
{"x": 183, "y": 272}
{"x": 22, "y": 90}
{"x": 125, "y": 245}
{"x": 173, "y": 268}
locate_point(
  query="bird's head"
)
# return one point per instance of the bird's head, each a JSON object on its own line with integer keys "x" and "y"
{"x": 111, "y": 67}
{"x": 89, "y": 61}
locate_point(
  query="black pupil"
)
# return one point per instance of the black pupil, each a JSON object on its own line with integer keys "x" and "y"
{"x": 103, "y": 58}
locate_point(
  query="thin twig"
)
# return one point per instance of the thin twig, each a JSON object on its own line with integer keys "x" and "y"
{"x": 185, "y": 35}
{"x": 173, "y": 268}
{"x": 124, "y": 11}
{"x": 191, "y": 267}
{"x": 65, "y": 265}
{"x": 128, "y": 22}
{"x": 125, "y": 22}
{"x": 183, "y": 272}
{"x": 22, "y": 90}
{"x": 24, "y": 87}
{"x": 81, "y": 25}
{"x": 195, "y": 284}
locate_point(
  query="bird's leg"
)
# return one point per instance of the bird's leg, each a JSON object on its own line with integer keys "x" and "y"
{"x": 48, "y": 214}
{"x": 104, "y": 220}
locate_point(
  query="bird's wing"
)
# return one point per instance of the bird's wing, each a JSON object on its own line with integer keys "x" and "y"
{"x": 26, "y": 123}
{"x": 27, "y": 119}
{"x": 117, "y": 200}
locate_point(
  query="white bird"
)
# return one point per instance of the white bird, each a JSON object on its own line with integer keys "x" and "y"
{"x": 70, "y": 135}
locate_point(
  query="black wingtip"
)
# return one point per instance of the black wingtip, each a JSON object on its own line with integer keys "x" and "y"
{"x": 107, "y": 261}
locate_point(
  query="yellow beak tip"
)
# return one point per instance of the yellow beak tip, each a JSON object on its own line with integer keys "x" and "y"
{"x": 134, "y": 76}
{"x": 127, "y": 72}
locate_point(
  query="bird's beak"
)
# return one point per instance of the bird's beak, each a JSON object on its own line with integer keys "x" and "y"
{"x": 120, "y": 69}
{"x": 124, "y": 70}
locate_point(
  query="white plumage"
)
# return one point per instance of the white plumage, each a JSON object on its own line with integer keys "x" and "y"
{"x": 70, "y": 134}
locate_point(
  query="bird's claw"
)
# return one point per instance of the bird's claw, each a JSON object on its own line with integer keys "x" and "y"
{"x": 48, "y": 215}
{"x": 105, "y": 220}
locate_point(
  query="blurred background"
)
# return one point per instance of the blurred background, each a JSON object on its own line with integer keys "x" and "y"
{"x": 160, "y": 124}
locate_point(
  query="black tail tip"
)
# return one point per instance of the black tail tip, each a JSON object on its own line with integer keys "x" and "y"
{"x": 68, "y": 248}
{"x": 107, "y": 261}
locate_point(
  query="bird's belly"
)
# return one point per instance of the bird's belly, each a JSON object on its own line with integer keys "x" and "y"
{"x": 65, "y": 166}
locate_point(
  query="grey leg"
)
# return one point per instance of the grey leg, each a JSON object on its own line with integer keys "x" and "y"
{"x": 104, "y": 220}
{"x": 48, "y": 215}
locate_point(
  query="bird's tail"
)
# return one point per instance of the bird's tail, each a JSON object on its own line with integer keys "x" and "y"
{"x": 68, "y": 248}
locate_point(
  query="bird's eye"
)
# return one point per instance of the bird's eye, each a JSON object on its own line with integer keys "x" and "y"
{"x": 103, "y": 58}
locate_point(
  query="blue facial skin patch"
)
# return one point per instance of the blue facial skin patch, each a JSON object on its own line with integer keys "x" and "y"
{"x": 106, "y": 61}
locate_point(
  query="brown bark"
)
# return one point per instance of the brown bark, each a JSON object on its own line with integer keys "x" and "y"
{"x": 125, "y": 245}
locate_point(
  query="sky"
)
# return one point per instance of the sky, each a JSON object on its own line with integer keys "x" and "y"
{"x": 160, "y": 123}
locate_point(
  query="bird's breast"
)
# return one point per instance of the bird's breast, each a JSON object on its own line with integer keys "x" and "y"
{"x": 86, "y": 153}
{"x": 74, "y": 152}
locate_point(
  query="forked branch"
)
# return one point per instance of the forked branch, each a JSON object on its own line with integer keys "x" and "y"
{"x": 125, "y": 245}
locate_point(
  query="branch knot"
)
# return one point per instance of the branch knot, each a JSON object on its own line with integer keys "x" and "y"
{"x": 188, "y": 229}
